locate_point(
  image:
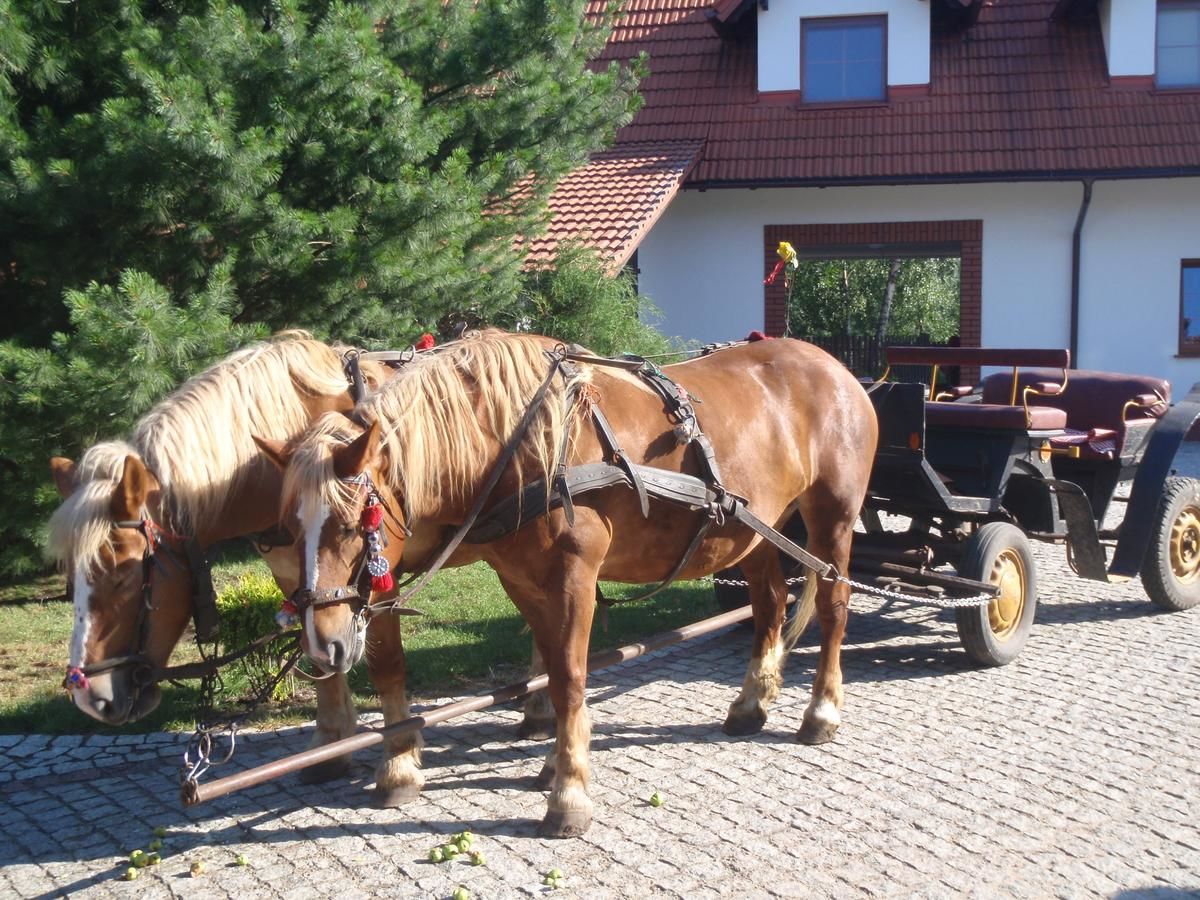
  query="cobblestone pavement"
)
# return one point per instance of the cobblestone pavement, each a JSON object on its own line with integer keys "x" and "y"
{"x": 1072, "y": 772}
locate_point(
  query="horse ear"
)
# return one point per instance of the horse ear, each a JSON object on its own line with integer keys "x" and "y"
{"x": 129, "y": 496}
{"x": 64, "y": 472}
{"x": 351, "y": 459}
{"x": 276, "y": 451}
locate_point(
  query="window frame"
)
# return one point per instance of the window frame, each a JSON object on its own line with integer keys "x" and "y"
{"x": 1159, "y": 6}
{"x": 880, "y": 19}
{"x": 1186, "y": 347}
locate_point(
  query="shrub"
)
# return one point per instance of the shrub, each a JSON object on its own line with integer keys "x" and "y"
{"x": 247, "y": 609}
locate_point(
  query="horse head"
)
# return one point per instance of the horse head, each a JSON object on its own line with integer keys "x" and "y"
{"x": 348, "y": 529}
{"x": 130, "y": 583}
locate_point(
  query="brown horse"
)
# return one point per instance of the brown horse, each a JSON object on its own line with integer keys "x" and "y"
{"x": 191, "y": 469}
{"x": 791, "y": 428}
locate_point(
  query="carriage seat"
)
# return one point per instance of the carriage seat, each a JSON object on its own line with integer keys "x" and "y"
{"x": 993, "y": 416}
{"x": 998, "y": 412}
{"x": 1101, "y": 409}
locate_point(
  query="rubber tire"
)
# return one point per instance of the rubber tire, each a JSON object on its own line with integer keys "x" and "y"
{"x": 1166, "y": 589}
{"x": 986, "y": 546}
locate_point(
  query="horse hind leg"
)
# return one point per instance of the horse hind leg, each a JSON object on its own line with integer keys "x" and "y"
{"x": 336, "y": 719}
{"x": 823, "y": 715}
{"x": 764, "y": 675}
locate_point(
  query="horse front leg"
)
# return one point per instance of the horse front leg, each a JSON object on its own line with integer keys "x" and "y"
{"x": 764, "y": 676}
{"x": 538, "y": 721}
{"x": 336, "y": 719}
{"x": 398, "y": 777}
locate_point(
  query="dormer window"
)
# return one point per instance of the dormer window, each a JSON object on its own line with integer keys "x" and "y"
{"x": 844, "y": 59}
{"x": 1177, "y": 52}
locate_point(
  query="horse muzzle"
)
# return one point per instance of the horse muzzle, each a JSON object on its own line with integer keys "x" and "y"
{"x": 336, "y": 649}
{"x": 113, "y": 698}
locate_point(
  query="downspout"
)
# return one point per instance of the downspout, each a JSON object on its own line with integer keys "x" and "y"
{"x": 1075, "y": 255}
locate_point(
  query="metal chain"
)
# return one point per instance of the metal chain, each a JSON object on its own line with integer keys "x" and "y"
{"x": 926, "y": 600}
{"x": 198, "y": 754}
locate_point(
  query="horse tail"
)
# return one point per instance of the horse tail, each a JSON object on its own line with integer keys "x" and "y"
{"x": 805, "y": 607}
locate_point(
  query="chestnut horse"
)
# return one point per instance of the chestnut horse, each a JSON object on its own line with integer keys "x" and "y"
{"x": 191, "y": 469}
{"x": 791, "y": 429}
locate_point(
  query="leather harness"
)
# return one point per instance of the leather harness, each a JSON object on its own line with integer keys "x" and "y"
{"x": 537, "y": 498}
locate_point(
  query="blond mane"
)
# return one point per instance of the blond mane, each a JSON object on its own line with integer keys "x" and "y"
{"x": 81, "y": 528}
{"x": 197, "y": 441}
{"x": 440, "y": 433}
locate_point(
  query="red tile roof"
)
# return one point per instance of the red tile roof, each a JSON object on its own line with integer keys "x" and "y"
{"x": 614, "y": 200}
{"x": 1018, "y": 95}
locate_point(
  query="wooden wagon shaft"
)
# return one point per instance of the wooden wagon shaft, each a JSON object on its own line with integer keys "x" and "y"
{"x": 192, "y": 793}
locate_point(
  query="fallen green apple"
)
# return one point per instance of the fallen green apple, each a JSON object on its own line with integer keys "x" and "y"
{"x": 656, "y": 799}
{"x": 242, "y": 860}
{"x": 131, "y": 873}
{"x": 461, "y": 893}
{"x": 477, "y": 858}
{"x": 436, "y": 855}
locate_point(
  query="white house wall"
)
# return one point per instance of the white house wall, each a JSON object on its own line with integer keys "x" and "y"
{"x": 1128, "y": 29}
{"x": 779, "y": 38}
{"x": 702, "y": 264}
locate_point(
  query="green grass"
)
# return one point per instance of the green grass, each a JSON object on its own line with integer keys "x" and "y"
{"x": 469, "y": 638}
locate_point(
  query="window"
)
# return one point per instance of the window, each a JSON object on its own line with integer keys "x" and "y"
{"x": 843, "y": 59}
{"x": 1189, "y": 308}
{"x": 1177, "y": 50}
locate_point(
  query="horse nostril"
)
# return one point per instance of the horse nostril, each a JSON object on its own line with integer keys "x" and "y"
{"x": 338, "y": 655}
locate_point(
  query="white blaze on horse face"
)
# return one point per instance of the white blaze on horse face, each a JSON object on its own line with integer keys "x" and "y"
{"x": 312, "y": 520}
{"x": 82, "y": 595}
{"x": 312, "y": 516}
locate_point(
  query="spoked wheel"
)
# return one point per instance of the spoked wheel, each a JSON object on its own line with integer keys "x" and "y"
{"x": 994, "y": 634}
{"x": 1171, "y": 569}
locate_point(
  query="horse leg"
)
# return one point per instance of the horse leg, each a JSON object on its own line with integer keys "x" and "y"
{"x": 336, "y": 719}
{"x": 561, "y": 618}
{"x": 764, "y": 676}
{"x": 538, "y": 723}
{"x": 831, "y": 542}
{"x": 398, "y": 778}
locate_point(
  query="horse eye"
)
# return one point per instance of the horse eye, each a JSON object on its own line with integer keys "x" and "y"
{"x": 348, "y": 531}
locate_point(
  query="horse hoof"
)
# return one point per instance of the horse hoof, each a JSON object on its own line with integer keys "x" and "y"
{"x": 568, "y": 824}
{"x": 536, "y": 729}
{"x": 816, "y": 732}
{"x": 740, "y": 724}
{"x": 329, "y": 770}
{"x": 387, "y": 798}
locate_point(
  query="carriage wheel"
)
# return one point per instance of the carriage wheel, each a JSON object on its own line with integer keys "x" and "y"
{"x": 1171, "y": 569}
{"x": 994, "y": 634}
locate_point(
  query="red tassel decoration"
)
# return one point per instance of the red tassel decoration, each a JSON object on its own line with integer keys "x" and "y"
{"x": 382, "y": 582}
{"x": 372, "y": 516}
{"x": 425, "y": 342}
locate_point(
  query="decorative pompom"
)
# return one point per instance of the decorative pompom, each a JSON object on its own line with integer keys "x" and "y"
{"x": 382, "y": 582}
{"x": 75, "y": 679}
{"x": 757, "y": 336}
{"x": 285, "y": 620}
{"x": 289, "y": 607}
{"x": 425, "y": 342}
{"x": 372, "y": 516}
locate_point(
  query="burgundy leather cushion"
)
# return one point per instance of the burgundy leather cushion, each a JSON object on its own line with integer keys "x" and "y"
{"x": 1092, "y": 399}
{"x": 990, "y": 415}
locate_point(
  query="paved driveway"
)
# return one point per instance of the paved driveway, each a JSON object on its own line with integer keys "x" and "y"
{"x": 1074, "y": 771}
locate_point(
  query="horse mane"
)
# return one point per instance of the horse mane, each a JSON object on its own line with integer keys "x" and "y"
{"x": 197, "y": 441}
{"x": 81, "y": 528}
{"x": 439, "y": 429}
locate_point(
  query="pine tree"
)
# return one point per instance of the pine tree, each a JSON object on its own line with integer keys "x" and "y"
{"x": 360, "y": 168}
